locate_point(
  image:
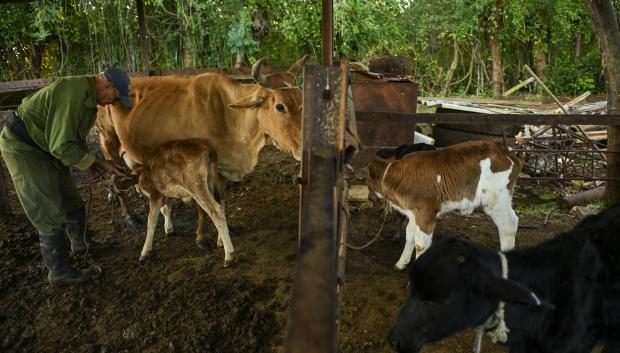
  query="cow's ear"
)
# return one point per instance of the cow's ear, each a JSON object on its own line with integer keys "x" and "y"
{"x": 251, "y": 101}
{"x": 511, "y": 292}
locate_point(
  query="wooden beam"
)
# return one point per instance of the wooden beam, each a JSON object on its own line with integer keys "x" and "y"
{"x": 312, "y": 326}
{"x": 518, "y": 87}
{"x": 406, "y": 119}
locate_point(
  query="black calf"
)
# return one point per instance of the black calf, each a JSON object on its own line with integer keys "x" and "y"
{"x": 457, "y": 285}
{"x": 403, "y": 150}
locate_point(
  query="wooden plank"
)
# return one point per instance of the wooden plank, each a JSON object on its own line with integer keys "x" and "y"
{"x": 405, "y": 119}
{"x": 24, "y": 85}
{"x": 312, "y": 327}
{"x": 518, "y": 86}
{"x": 241, "y": 73}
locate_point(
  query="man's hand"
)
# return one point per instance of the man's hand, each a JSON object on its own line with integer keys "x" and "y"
{"x": 108, "y": 166}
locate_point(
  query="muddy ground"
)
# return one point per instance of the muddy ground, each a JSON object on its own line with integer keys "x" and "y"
{"x": 182, "y": 300}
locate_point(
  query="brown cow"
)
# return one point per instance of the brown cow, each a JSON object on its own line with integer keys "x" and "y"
{"x": 185, "y": 169}
{"x": 236, "y": 119}
{"x": 425, "y": 184}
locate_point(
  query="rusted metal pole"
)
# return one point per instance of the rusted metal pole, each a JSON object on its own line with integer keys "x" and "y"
{"x": 312, "y": 325}
{"x": 327, "y": 29}
{"x": 144, "y": 38}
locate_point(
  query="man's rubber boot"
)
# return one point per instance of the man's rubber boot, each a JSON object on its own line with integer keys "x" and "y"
{"x": 75, "y": 224}
{"x": 54, "y": 249}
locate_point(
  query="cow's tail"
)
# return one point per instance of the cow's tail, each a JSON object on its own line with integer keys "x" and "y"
{"x": 517, "y": 164}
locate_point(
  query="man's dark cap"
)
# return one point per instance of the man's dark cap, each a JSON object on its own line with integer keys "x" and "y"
{"x": 120, "y": 81}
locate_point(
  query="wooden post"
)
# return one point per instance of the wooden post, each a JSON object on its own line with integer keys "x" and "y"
{"x": 604, "y": 19}
{"x": 327, "y": 29}
{"x": 313, "y": 319}
{"x": 144, "y": 38}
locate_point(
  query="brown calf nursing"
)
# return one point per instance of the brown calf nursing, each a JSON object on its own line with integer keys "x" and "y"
{"x": 423, "y": 185}
{"x": 185, "y": 169}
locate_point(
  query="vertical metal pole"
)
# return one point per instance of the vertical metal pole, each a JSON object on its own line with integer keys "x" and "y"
{"x": 327, "y": 29}
{"x": 144, "y": 38}
{"x": 312, "y": 325}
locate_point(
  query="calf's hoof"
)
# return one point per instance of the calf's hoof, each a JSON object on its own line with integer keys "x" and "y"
{"x": 143, "y": 258}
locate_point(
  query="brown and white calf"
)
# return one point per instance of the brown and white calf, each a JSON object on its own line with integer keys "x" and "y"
{"x": 425, "y": 184}
{"x": 185, "y": 169}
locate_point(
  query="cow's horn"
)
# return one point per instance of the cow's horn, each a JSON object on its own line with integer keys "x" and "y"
{"x": 256, "y": 71}
{"x": 295, "y": 69}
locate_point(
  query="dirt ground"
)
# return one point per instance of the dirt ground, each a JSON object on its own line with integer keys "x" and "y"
{"x": 183, "y": 300}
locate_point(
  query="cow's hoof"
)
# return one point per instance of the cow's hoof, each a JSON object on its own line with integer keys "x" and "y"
{"x": 134, "y": 221}
{"x": 169, "y": 232}
{"x": 398, "y": 267}
{"x": 143, "y": 258}
{"x": 227, "y": 264}
{"x": 204, "y": 245}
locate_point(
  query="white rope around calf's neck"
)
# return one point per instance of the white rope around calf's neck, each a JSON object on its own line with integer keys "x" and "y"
{"x": 499, "y": 333}
{"x": 383, "y": 177}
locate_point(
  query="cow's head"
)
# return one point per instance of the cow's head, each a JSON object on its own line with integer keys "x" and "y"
{"x": 276, "y": 80}
{"x": 279, "y": 109}
{"x": 279, "y": 116}
{"x": 453, "y": 286}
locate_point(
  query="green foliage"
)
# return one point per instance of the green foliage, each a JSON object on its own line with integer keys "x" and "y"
{"x": 537, "y": 210}
{"x": 573, "y": 78}
{"x": 52, "y": 38}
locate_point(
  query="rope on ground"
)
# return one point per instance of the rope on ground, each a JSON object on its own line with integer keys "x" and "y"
{"x": 89, "y": 189}
{"x": 385, "y": 214}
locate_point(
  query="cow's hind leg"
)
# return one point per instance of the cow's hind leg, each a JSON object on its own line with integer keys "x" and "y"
{"x": 201, "y": 230}
{"x": 155, "y": 202}
{"x": 505, "y": 220}
{"x": 216, "y": 212}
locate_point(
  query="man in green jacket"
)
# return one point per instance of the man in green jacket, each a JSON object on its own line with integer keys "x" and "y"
{"x": 40, "y": 142}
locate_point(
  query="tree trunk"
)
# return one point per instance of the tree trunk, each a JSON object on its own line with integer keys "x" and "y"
{"x": 450, "y": 74}
{"x": 496, "y": 49}
{"x": 240, "y": 62}
{"x": 188, "y": 41}
{"x": 540, "y": 60}
{"x": 578, "y": 45}
{"x": 604, "y": 18}
{"x": 496, "y": 66}
{"x": 144, "y": 38}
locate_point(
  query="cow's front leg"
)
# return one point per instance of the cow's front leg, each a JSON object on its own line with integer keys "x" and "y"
{"x": 405, "y": 257}
{"x": 155, "y": 202}
{"x": 505, "y": 220}
{"x": 419, "y": 236}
